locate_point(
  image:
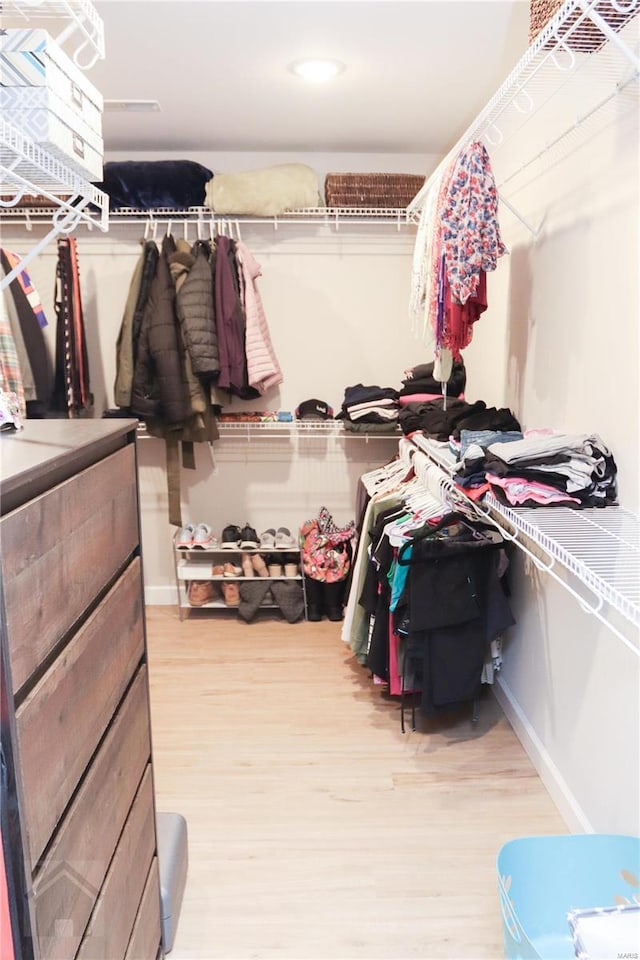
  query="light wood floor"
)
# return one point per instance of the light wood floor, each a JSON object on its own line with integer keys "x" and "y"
{"x": 317, "y": 831}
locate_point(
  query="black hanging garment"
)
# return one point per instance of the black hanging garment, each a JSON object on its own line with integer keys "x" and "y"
{"x": 457, "y": 606}
{"x": 71, "y": 392}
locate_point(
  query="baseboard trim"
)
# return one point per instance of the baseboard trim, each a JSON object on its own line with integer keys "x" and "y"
{"x": 558, "y": 789}
{"x": 160, "y": 596}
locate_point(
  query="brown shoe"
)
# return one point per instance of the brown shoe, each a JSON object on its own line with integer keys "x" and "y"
{"x": 259, "y": 565}
{"x": 232, "y": 570}
{"x": 200, "y": 592}
{"x": 231, "y": 594}
{"x": 217, "y": 570}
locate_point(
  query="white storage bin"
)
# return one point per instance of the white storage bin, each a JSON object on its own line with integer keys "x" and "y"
{"x": 53, "y": 124}
{"x": 32, "y": 58}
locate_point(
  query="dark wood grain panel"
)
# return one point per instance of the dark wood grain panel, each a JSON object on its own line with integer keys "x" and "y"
{"x": 115, "y": 912}
{"x": 60, "y": 550}
{"x": 147, "y": 933}
{"x": 67, "y": 885}
{"x": 61, "y": 721}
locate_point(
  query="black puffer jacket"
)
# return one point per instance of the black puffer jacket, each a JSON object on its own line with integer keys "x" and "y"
{"x": 158, "y": 384}
{"x": 195, "y": 309}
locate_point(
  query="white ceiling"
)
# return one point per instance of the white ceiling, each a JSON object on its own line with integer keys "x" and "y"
{"x": 417, "y": 72}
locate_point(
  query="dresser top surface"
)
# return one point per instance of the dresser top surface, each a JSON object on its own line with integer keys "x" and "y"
{"x": 47, "y": 451}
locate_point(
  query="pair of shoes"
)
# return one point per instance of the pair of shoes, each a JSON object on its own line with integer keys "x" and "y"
{"x": 226, "y": 570}
{"x": 279, "y": 539}
{"x": 233, "y": 538}
{"x": 231, "y": 593}
{"x": 201, "y": 592}
{"x": 286, "y": 570}
{"x": 196, "y": 537}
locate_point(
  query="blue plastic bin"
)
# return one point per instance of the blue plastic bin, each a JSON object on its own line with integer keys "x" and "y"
{"x": 540, "y": 879}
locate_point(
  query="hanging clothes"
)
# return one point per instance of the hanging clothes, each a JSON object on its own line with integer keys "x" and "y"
{"x": 71, "y": 391}
{"x": 158, "y": 388}
{"x": 129, "y": 334}
{"x": 458, "y": 241}
{"x": 231, "y": 323}
{"x": 457, "y": 607}
{"x": 10, "y": 375}
{"x": 195, "y": 309}
{"x": 263, "y": 369}
{"x": 27, "y": 322}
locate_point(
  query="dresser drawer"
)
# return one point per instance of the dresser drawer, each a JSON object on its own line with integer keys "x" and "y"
{"x": 60, "y": 723}
{"x": 66, "y": 886}
{"x": 112, "y": 922}
{"x": 146, "y": 936}
{"x": 60, "y": 550}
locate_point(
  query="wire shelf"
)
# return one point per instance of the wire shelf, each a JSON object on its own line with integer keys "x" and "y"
{"x": 601, "y": 547}
{"x": 26, "y": 169}
{"x": 598, "y": 546}
{"x": 318, "y": 430}
{"x": 579, "y": 74}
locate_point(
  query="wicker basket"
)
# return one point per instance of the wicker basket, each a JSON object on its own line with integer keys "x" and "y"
{"x": 584, "y": 38}
{"x": 371, "y": 189}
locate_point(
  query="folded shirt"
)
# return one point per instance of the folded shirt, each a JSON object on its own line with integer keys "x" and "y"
{"x": 484, "y": 438}
{"x": 359, "y": 393}
{"x": 530, "y": 448}
{"x": 373, "y": 413}
{"x": 520, "y": 492}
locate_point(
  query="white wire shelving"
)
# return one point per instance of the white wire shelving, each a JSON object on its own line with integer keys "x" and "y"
{"x": 307, "y": 429}
{"x": 29, "y": 170}
{"x": 579, "y": 74}
{"x": 599, "y": 547}
{"x": 207, "y": 222}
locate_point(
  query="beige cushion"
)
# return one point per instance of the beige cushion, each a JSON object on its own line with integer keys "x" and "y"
{"x": 264, "y": 193}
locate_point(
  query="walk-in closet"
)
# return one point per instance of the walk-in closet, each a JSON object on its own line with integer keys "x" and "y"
{"x": 319, "y": 477}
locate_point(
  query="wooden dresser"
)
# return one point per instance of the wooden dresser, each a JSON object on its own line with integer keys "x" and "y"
{"x": 78, "y": 816}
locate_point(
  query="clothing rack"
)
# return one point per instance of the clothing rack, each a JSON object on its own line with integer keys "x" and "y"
{"x": 566, "y": 87}
{"x": 599, "y": 547}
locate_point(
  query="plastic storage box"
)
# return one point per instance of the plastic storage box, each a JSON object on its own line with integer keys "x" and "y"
{"x": 542, "y": 879}
{"x": 173, "y": 859}
{"x": 48, "y": 98}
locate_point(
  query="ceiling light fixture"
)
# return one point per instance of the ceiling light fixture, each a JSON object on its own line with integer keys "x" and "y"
{"x": 132, "y": 106}
{"x": 317, "y": 71}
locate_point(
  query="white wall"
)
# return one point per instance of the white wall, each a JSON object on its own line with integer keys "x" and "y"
{"x": 562, "y": 350}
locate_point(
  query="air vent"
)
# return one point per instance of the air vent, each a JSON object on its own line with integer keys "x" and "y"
{"x": 131, "y": 106}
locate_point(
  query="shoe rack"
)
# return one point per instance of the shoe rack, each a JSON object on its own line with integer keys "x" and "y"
{"x": 198, "y": 565}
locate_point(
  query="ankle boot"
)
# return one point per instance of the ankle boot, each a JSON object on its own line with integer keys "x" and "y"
{"x": 314, "y": 593}
{"x": 334, "y": 599}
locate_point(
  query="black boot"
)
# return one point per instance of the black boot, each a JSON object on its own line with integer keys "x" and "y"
{"x": 315, "y": 604}
{"x": 334, "y": 599}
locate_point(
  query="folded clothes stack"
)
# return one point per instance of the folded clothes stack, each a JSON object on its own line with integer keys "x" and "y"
{"x": 446, "y": 417}
{"x": 420, "y": 385}
{"x": 369, "y": 409}
{"x": 542, "y": 470}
